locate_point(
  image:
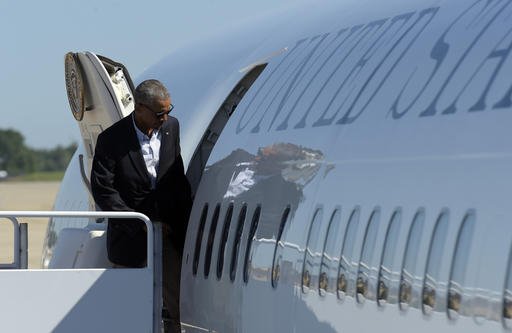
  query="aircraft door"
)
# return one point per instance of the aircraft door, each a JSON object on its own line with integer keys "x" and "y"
{"x": 100, "y": 92}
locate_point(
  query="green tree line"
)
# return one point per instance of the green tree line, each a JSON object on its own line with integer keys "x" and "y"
{"x": 17, "y": 159}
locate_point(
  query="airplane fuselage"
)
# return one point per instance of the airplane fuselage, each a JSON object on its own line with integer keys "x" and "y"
{"x": 357, "y": 179}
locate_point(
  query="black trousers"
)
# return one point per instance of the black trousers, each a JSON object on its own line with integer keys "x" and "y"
{"x": 171, "y": 274}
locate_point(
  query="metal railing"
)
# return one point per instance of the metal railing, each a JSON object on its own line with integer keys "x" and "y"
{"x": 20, "y": 252}
{"x": 14, "y": 215}
{"x": 153, "y": 249}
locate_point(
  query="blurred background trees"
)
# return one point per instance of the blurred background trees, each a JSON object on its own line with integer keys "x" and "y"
{"x": 18, "y": 159}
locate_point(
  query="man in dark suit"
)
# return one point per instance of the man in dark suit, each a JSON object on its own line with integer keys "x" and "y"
{"x": 137, "y": 166}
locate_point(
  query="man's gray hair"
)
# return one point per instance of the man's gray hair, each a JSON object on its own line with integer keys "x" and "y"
{"x": 150, "y": 91}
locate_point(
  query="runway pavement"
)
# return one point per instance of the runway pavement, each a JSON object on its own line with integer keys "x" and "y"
{"x": 26, "y": 196}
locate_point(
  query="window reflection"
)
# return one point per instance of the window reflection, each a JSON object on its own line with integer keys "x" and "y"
{"x": 222, "y": 245}
{"x": 460, "y": 262}
{"x": 363, "y": 283}
{"x": 279, "y": 247}
{"x": 409, "y": 296}
{"x": 199, "y": 239}
{"x": 346, "y": 279}
{"x": 431, "y": 283}
{"x": 330, "y": 260}
{"x": 236, "y": 243}
{"x": 507, "y": 295}
{"x": 389, "y": 275}
{"x": 275, "y": 176}
{"x": 250, "y": 238}
{"x": 211, "y": 237}
{"x": 312, "y": 255}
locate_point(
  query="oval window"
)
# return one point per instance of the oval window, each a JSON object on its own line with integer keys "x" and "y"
{"x": 250, "y": 240}
{"x": 224, "y": 240}
{"x": 345, "y": 271}
{"x": 236, "y": 244}
{"x": 211, "y": 238}
{"x": 330, "y": 260}
{"x": 279, "y": 247}
{"x": 410, "y": 270}
{"x": 312, "y": 255}
{"x": 388, "y": 273}
{"x": 364, "y": 288}
{"x": 460, "y": 263}
{"x": 199, "y": 239}
{"x": 435, "y": 256}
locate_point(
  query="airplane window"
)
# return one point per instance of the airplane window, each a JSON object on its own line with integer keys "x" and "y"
{"x": 330, "y": 261}
{"x": 236, "y": 244}
{"x": 388, "y": 273}
{"x": 250, "y": 239}
{"x": 347, "y": 256}
{"x": 410, "y": 271}
{"x": 460, "y": 262}
{"x": 312, "y": 255}
{"x": 199, "y": 239}
{"x": 224, "y": 240}
{"x": 278, "y": 250}
{"x": 211, "y": 238}
{"x": 435, "y": 256}
{"x": 363, "y": 283}
{"x": 507, "y": 295}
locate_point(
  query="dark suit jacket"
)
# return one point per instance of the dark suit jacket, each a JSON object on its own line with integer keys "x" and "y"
{"x": 120, "y": 182}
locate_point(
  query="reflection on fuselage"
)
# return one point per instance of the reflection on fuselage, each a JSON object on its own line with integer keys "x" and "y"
{"x": 389, "y": 106}
{"x": 273, "y": 177}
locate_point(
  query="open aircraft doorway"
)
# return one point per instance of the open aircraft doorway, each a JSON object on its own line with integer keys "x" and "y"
{"x": 212, "y": 133}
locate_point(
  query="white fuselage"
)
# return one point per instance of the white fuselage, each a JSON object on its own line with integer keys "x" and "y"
{"x": 380, "y": 133}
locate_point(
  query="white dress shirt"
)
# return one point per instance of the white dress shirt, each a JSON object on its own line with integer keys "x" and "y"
{"x": 150, "y": 148}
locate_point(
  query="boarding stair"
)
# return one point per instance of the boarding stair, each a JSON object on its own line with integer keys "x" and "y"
{"x": 64, "y": 300}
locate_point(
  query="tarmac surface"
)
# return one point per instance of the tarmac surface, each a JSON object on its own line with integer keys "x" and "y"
{"x": 26, "y": 196}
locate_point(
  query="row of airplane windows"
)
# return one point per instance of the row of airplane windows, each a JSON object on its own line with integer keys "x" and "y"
{"x": 224, "y": 237}
{"x": 331, "y": 264}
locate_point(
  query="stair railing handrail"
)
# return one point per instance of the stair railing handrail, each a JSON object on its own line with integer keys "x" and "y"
{"x": 151, "y": 251}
